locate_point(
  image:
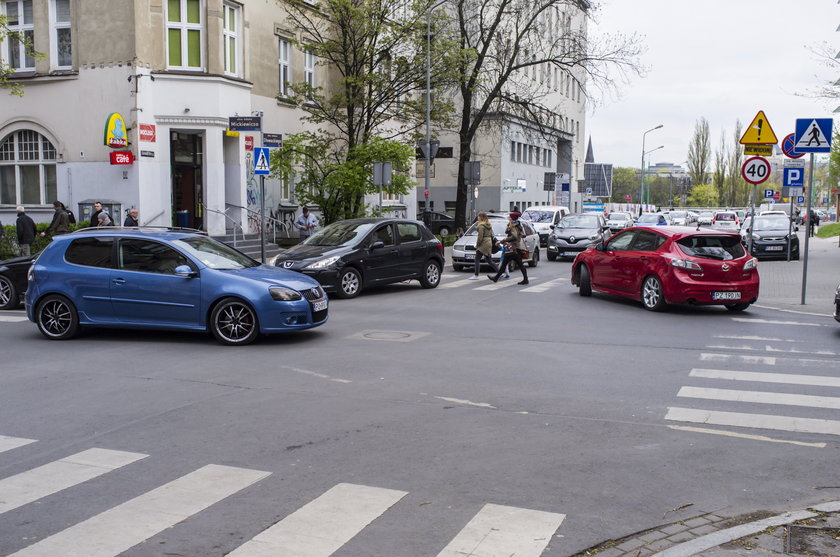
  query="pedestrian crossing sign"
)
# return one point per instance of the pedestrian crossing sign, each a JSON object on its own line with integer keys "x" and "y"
{"x": 261, "y": 167}
{"x": 813, "y": 135}
{"x": 759, "y": 132}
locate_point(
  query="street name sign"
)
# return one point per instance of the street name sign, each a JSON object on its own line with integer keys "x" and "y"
{"x": 759, "y": 132}
{"x": 245, "y": 123}
{"x": 813, "y": 135}
{"x": 755, "y": 170}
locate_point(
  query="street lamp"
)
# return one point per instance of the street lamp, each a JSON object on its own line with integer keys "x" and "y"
{"x": 428, "y": 155}
{"x": 642, "y": 178}
{"x": 648, "y": 188}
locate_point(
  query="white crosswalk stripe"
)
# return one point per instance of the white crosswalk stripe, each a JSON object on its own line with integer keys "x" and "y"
{"x": 760, "y": 397}
{"x": 774, "y": 322}
{"x": 120, "y": 528}
{"x": 53, "y": 477}
{"x": 760, "y": 421}
{"x": 792, "y": 378}
{"x": 545, "y": 286}
{"x": 346, "y": 508}
{"x": 500, "y": 530}
{"x": 9, "y": 443}
{"x": 461, "y": 280}
{"x": 12, "y": 318}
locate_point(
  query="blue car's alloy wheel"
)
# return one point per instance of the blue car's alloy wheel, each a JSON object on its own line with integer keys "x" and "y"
{"x": 234, "y": 322}
{"x": 57, "y": 318}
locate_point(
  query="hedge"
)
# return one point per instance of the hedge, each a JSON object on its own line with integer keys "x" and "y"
{"x": 9, "y": 245}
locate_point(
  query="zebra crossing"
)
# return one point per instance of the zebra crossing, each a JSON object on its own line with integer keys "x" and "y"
{"x": 763, "y": 382}
{"x": 537, "y": 284}
{"x": 318, "y": 528}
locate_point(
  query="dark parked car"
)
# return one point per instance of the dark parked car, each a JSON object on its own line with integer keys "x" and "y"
{"x": 575, "y": 233}
{"x": 13, "y": 280}
{"x": 770, "y": 236}
{"x": 439, "y": 223}
{"x": 837, "y": 304}
{"x": 349, "y": 255}
{"x": 165, "y": 279}
{"x": 671, "y": 265}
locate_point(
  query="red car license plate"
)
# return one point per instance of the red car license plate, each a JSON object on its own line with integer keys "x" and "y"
{"x": 726, "y": 295}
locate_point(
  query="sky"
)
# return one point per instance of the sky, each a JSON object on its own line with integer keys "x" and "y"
{"x": 720, "y": 59}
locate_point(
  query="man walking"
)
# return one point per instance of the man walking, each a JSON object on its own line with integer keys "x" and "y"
{"x": 94, "y": 217}
{"x": 60, "y": 222}
{"x": 306, "y": 224}
{"x": 25, "y": 227}
{"x": 131, "y": 218}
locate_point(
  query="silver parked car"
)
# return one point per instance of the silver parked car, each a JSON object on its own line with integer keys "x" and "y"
{"x": 619, "y": 221}
{"x": 575, "y": 233}
{"x": 463, "y": 251}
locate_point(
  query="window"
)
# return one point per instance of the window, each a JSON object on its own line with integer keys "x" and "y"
{"x": 647, "y": 241}
{"x": 185, "y": 34}
{"x": 620, "y": 242}
{"x": 548, "y": 155}
{"x": 61, "y": 44}
{"x": 19, "y": 19}
{"x": 27, "y": 169}
{"x": 149, "y": 257}
{"x": 309, "y": 68}
{"x": 233, "y": 44}
{"x": 384, "y": 235}
{"x": 91, "y": 252}
{"x": 285, "y": 57}
{"x": 513, "y": 151}
{"x": 409, "y": 232}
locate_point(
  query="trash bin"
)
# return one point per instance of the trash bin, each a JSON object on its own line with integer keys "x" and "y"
{"x": 182, "y": 219}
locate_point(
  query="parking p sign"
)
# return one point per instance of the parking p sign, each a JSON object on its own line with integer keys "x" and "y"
{"x": 794, "y": 177}
{"x": 768, "y": 194}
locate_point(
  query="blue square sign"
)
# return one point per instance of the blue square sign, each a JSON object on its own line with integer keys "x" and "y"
{"x": 813, "y": 135}
{"x": 800, "y": 199}
{"x": 768, "y": 194}
{"x": 794, "y": 177}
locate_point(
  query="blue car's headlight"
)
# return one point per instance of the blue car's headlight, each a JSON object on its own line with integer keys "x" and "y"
{"x": 324, "y": 263}
{"x": 284, "y": 294}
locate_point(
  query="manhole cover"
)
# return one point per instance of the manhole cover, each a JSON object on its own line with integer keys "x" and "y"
{"x": 387, "y": 335}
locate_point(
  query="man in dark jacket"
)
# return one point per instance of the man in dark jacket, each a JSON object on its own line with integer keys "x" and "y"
{"x": 131, "y": 217}
{"x": 25, "y": 231}
{"x": 94, "y": 218}
{"x": 60, "y": 223}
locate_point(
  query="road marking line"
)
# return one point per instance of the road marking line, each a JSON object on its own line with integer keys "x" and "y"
{"x": 124, "y": 526}
{"x": 9, "y": 443}
{"x": 11, "y": 319}
{"x": 545, "y": 286}
{"x": 764, "y": 360}
{"x": 747, "y": 337}
{"x": 760, "y": 421}
{"x": 501, "y": 530}
{"x": 457, "y": 283}
{"x": 34, "y": 484}
{"x": 790, "y": 378}
{"x": 768, "y": 348}
{"x": 727, "y": 347}
{"x": 760, "y": 397}
{"x": 467, "y": 402}
{"x": 322, "y": 526}
{"x": 745, "y": 436}
{"x": 774, "y": 322}
{"x": 503, "y": 283}
{"x": 315, "y": 374}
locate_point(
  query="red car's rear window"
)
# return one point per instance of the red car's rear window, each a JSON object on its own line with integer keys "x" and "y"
{"x": 721, "y": 248}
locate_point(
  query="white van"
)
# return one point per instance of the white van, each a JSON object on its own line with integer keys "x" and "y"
{"x": 543, "y": 217}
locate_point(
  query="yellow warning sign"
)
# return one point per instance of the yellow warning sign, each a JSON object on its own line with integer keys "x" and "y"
{"x": 759, "y": 132}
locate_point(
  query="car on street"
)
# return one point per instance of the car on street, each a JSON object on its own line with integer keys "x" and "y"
{"x": 770, "y": 235}
{"x": 13, "y": 280}
{"x": 543, "y": 217}
{"x": 670, "y": 265}
{"x": 651, "y": 219}
{"x": 681, "y": 218}
{"x": 348, "y": 256}
{"x": 619, "y": 221}
{"x": 463, "y": 250}
{"x": 176, "y": 279}
{"x": 727, "y": 220}
{"x": 576, "y": 232}
{"x": 705, "y": 218}
{"x": 439, "y": 223}
{"x": 837, "y": 303}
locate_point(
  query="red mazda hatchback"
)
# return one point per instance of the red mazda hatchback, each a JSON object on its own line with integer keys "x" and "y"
{"x": 670, "y": 265}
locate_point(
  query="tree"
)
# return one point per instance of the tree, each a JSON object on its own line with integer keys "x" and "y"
{"x": 505, "y": 44}
{"x": 625, "y": 182}
{"x": 699, "y": 152}
{"x": 719, "y": 174}
{"x": 734, "y": 182}
{"x": 703, "y": 195}
{"x": 834, "y": 161}
{"x": 375, "y": 53}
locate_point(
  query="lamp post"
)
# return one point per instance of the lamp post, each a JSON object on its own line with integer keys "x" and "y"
{"x": 642, "y": 170}
{"x": 648, "y": 188}
{"x": 428, "y": 155}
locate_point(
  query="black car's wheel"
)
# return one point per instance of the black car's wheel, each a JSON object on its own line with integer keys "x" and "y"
{"x": 9, "y": 297}
{"x": 584, "y": 282}
{"x": 444, "y": 231}
{"x": 431, "y": 275}
{"x": 551, "y": 256}
{"x": 349, "y": 283}
{"x": 57, "y": 318}
{"x": 652, "y": 296}
{"x": 737, "y": 307}
{"x": 234, "y": 322}
{"x": 536, "y": 259}
{"x": 457, "y": 268}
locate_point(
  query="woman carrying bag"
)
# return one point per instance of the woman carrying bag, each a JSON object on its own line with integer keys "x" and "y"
{"x": 484, "y": 244}
{"x": 515, "y": 247}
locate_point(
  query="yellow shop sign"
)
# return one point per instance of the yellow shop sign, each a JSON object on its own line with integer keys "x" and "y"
{"x": 116, "y": 135}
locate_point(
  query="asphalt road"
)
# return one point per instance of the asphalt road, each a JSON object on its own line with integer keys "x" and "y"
{"x": 411, "y": 413}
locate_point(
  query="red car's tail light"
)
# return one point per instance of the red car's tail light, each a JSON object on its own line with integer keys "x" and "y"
{"x": 685, "y": 264}
{"x": 751, "y": 264}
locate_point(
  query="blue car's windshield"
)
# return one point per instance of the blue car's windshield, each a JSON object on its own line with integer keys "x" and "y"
{"x": 215, "y": 254}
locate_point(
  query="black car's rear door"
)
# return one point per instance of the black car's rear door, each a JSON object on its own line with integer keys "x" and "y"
{"x": 382, "y": 263}
{"x": 412, "y": 249}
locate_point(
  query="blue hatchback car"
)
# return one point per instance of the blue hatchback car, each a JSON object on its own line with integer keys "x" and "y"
{"x": 165, "y": 279}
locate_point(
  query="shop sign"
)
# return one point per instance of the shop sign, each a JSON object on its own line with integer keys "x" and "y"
{"x": 148, "y": 132}
{"x": 122, "y": 157}
{"x": 115, "y": 132}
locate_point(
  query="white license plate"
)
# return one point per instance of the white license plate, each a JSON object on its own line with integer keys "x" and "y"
{"x": 774, "y": 248}
{"x": 320, "y": 306}
{"x": 726, "y": 295}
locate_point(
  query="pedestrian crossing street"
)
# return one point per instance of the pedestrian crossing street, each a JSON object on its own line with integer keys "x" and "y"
{"x": 317, "y": 529}
{"x": 536, "y": 284}
{"x": 766, "y": 382}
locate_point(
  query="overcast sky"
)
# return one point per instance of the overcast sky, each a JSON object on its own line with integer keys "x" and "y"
{"x": 719, "y": 59}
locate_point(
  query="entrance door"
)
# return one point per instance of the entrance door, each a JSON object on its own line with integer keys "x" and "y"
{"x": 187, "y": 156}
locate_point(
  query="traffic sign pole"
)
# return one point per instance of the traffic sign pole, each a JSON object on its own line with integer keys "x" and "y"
{"x": 807, "y": 228}
{"x": 262, "y": 218}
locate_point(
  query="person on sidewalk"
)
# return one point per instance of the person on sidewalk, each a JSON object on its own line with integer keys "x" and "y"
{"x": 484, "y": 245}
{"x": 514, "y": 248}
{"x": 131, "y": 219}
{"x": 60, "y": 222}
{"x": 94, "y": 217}
{"x": 306, "y": 224}
{"x": 26, "y": 232}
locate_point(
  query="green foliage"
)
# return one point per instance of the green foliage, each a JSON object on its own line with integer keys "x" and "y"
{"x": 829, "y": 230}
{"x": 834, "y": 160}
{"x": 704, "y": 195}
{"x": 9, "y": 245}
{"x": 336, "y": 180}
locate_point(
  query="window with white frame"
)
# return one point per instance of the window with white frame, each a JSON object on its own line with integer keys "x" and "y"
{"x": 548, "y": 155}
{"x": 232, "y": 36}
{"x": 27, "y": 169}
{"x": 513, "y": 151}
{"x": 284, "y": 65}
{"x": 61, "y": 44}
{"x": 309, "y": 68}
{"x": 185, "y": 34}
{"x": 19, "y": 20}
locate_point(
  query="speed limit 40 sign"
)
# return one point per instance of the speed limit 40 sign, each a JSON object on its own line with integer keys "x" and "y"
{"x": 755, "y": 170}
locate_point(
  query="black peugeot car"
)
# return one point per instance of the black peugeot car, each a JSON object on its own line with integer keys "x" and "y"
{"x": 349, "y": 255}
{"x": 770, "y": 234}
{"x": 13, "y": 280}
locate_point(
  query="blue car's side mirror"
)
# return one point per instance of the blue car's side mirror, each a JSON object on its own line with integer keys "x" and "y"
{"x": 185, "y": 271}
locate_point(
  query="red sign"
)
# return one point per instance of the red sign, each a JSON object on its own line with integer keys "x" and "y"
{"x": 777, "y": 195}
{"x": 249, "y": 142}
{"x": 755, "y": 170}
{"x": 148, "y": 132}
{"x": 122, "y": 157}
{"x": 788, "y": 147}
{"x": 627, "y": 198}
{"x": 425, "y": 193}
